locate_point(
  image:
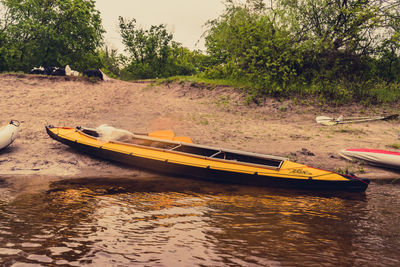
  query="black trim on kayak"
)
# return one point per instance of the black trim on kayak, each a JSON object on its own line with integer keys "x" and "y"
{"x": 224, "y": 176}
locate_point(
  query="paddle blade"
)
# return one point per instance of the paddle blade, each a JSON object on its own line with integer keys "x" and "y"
{"x": 170, "y": 135}
{"x": 163, "y": 134}
{"x": 327, "y": 121}
{"x": 184, "y": 139}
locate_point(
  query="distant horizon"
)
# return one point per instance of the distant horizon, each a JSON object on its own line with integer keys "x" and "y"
{"x": 185, "y": 19}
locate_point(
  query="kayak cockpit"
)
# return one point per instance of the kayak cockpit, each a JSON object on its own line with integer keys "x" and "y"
{"x": 263, "y": 160}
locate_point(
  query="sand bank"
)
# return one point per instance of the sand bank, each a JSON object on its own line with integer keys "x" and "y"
{"x": 216, "y": 117}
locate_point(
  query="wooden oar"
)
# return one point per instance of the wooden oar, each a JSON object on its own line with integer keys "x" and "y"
{"x": 327, "y": 121}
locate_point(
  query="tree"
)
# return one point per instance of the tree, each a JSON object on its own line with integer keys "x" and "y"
{"x": 51, "y": 33}
{"x": 153, "y": 53}
{"x": 335, "y": 48}
{"x": 148, "y": 49}
{"x": 246, "y": 45}
{"x": 111, "y": 61}
{"x": 340, "y": 37}
{"x": 389, "y": 56}
{"x": 344, "y": 24}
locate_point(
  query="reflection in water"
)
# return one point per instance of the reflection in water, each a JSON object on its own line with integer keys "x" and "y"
{"x": 177, "y": 222}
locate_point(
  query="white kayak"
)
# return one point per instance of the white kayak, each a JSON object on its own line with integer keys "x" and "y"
{"x": 8, "y": 133}
{"x": 381, "y": 158}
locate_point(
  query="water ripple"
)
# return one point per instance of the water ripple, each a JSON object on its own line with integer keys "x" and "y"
{"x": 108, "y": 224}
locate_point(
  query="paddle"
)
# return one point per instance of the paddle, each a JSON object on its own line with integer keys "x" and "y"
{"x": 163, "y": 134}
{"x": 169, "y": 135}
{"x": 184, "y": 139}
{"x": 327, "y": 121}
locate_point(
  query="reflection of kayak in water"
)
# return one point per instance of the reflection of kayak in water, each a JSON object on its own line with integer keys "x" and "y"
{"x": 204, "y": 162}
{"x": 8, "y": 133}
{"x": 382, "y": 158}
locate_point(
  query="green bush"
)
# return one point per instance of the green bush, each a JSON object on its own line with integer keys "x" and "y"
{"x": 153, "y": 53}
{"x": 324, "y": 48}
{"x": 49, "y": 33}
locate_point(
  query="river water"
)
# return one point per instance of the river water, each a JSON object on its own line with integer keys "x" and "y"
{"x": 161, "y": 221}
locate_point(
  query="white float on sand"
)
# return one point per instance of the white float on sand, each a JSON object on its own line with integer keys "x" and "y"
{"x": 8, "y": 133}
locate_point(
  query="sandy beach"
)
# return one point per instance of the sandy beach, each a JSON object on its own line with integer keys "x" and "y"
{"x": 211, "y": 116}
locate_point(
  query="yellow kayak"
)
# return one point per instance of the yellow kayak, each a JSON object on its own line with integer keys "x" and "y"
{"x": 183, "y": 158}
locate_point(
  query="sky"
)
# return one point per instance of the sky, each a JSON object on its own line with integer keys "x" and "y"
{"x": 185, "y": 19}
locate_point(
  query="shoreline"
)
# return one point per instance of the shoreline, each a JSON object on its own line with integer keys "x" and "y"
{"x": 143, "y": 175}
{"x": 215, "y": 117}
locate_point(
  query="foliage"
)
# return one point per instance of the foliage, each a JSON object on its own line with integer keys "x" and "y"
{"x": 344, "y": 50}
{"x": 247, "y": 45}
{"x": 336, "y": 50}
{"x": 111, "y": 61}
{"x": 336, "y": 38}
{"x": 153, "y": 53}
{"x": 394, "y": 145}
{"x": 49, "y": 33}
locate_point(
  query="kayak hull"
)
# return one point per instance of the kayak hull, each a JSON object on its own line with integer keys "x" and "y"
{"x": 216, "y": 175}
{"x": 8, "y": 133}
{"x": 376, "y": 157}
